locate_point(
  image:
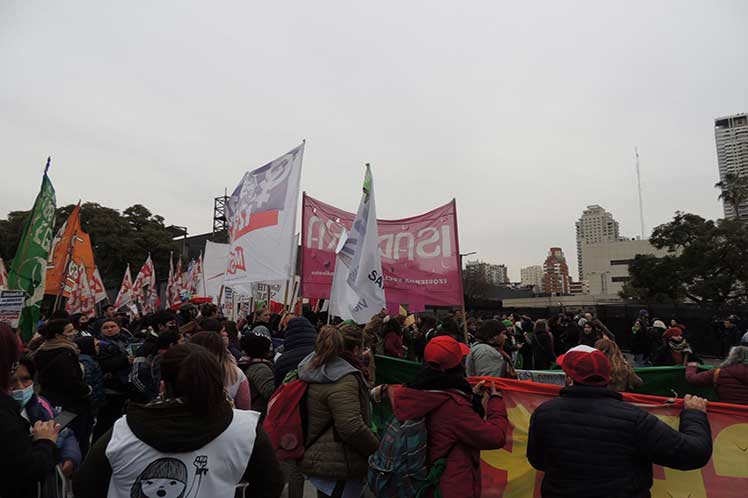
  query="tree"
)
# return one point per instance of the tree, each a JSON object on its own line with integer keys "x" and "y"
{"x": 734, "y": 190}
{"x": 117, "y": 239}
{"x": 708, "y": 263}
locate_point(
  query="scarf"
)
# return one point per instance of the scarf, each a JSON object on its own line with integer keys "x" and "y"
{"x": 58, "y": 342}
{"x": 678, "y": 350}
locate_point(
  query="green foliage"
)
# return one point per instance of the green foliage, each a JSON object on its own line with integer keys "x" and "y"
{"x": 734, "y": 190}
{"x": 117, "y": 239}
{"x": 708, "y": 264}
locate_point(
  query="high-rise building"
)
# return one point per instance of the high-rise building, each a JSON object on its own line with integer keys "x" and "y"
{"x": 556, "y": 272}
{"x": 607, "y": 264}
{"x": 731, "y": 136}
{"x": 494, "y": 274}
{"x": 532, "y": 276}
{"x": 595, "y": 226}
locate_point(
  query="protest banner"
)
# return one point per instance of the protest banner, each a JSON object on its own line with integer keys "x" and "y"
{"x": 419, "y": 255}
{"x": 11, "y": 304}
{"x": 506, "y": 473}
{"x": 262, "y": 220}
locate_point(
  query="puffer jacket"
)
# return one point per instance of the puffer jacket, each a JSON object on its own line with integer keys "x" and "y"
{"x": 455, "y": 431}
{"x": 590, "y": 443}
{"x": 338, "y": 418}
{"x": 731, "y": 383}
{"x": 300, "y": 338}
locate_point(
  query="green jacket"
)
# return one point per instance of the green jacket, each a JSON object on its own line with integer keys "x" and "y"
{"x": 339, "y": 417}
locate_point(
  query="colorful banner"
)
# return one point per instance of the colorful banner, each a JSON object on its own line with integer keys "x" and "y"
{"x": 11, "y": 304}
{"x": 420, "y": 257}
{"x": 262, "y": 222}
{"x": 29, "y": 269}
{"x": 507, "y": 473}
{"x": 71, "y": 251}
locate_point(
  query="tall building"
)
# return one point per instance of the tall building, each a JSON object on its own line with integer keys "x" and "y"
{"x": 595, "y": 226}
{"x": 494, "y": 274}
{"x": 532, "y": 276}
{"x": 731, "y": 135}
{"x": 556, "y": 272}
{"x": 607, "y": 264}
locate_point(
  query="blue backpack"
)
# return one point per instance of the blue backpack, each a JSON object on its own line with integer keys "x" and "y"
{"x": 399, "y": 468}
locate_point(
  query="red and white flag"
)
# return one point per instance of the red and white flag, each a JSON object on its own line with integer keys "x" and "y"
{"x": 97, "y": 286}
{"x": 3, "y": 275}
{"x": 170, "y": 287}
{"x": 146, "y": 278}
{"x": 125, "y": 295}
{"x": 81, "y": 298}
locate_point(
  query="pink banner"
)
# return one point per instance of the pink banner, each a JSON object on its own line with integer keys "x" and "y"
{"x": 420, "y": 255}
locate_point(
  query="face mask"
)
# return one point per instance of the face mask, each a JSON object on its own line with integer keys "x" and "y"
{"x": 23, "y": 395}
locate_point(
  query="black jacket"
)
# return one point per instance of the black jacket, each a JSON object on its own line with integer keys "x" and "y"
{"x": 300, "y": 338}
{"x": 113, "y": 358}
{"x": 23, "y": 462}
{"x": 61, "y": 381}
{"x": 169, "y": 427}
{"x": 590, "y": 443}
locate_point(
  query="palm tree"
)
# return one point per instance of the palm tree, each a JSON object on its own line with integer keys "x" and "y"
{"x": 734, "y": 190}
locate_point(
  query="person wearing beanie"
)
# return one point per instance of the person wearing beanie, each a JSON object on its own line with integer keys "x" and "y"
{"x": 487, "y": 357}
{"x": 258, "y": 367}
{"x": 299, "y": 342}
{"x": 590, "y": 443}
{"x": 462, "y": 420}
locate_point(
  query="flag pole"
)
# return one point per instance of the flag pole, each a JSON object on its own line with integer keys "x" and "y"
{"x": 68, "y": 258}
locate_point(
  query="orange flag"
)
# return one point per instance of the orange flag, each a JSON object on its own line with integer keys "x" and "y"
{"x": 71, "y": 251}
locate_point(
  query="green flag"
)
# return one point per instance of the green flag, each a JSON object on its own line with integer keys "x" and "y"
{"x": 29, "y": 268}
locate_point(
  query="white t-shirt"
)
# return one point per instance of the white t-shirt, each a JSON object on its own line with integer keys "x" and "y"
{"x": 213, "y": 471}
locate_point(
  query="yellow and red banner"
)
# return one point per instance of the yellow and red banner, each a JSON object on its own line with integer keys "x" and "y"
{"x": 506, "y": 472}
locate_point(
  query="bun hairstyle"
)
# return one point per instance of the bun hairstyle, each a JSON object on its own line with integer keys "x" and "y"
{"x": 193, "y": 374}
{"x": 329, "y": 345}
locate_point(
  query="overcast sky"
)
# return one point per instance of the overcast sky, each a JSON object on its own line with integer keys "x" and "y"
{"x": 525, "y": 112}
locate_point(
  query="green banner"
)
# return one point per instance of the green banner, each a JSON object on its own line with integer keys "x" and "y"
{"x": 29, "y": 268}
{"x": 658, "y": 381}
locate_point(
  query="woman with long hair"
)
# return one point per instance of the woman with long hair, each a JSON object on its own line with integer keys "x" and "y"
{"x": 25, "y": 461}
{"x": 461, "y": 420}
{"x": 234, "y": 380}
{"x": 622, "y": 376}
{"x": 187, "y": 443}
{"x": 339, "y": 437}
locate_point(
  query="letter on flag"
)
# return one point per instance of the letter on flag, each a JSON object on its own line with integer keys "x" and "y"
{"x": 29, "y": 269}
{"x": 81, "y": 298}
{"x": 358, "y": 288}
{"x": 262, "y": 223}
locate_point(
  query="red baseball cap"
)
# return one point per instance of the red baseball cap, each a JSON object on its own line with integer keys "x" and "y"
{"x": 586, "y": 365}
{"x": 445, "y": 352}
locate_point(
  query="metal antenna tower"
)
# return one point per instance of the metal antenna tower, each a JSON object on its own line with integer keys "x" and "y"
{"x": 639, "y": 186}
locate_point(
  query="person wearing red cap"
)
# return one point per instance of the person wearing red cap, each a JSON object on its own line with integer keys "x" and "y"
{"x": 675, "y": 350}
{"x": 590, "y": 443}
{"x": 459, "y": 427}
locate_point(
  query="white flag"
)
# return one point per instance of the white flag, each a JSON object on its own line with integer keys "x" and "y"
{"x": 214, "y": 268}
{"x": 358, "y": 284}
{"x": 262, "y": 222}
{"x": 125, "y": 294}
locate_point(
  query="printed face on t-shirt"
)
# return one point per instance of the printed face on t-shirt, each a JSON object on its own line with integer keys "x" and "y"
{"x": 162, "y": 488}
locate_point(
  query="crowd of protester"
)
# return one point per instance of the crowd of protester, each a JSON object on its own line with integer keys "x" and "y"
{"x": 123, "y": 406}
